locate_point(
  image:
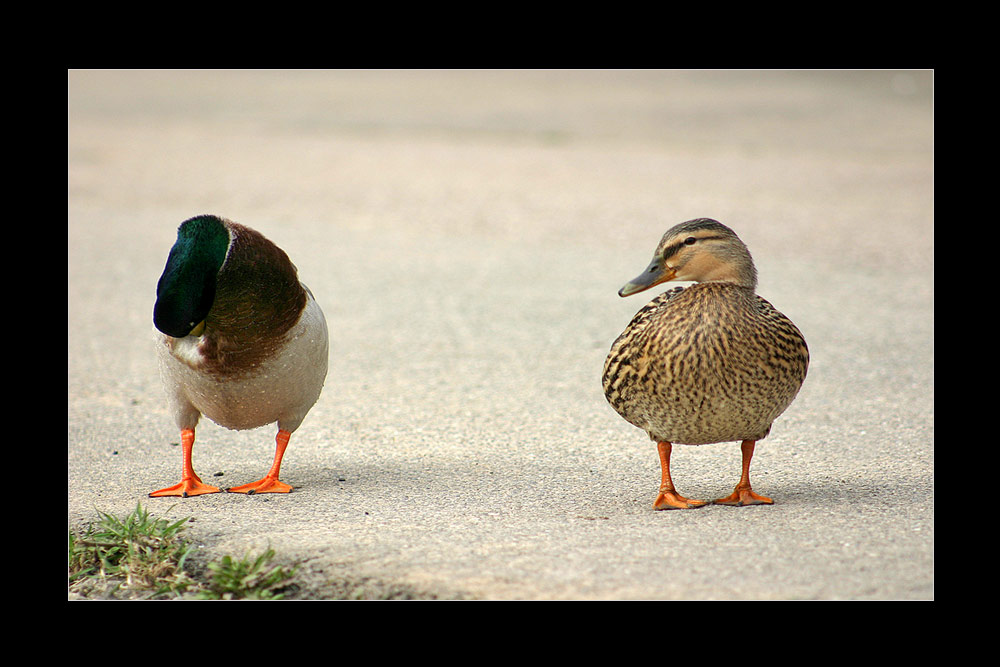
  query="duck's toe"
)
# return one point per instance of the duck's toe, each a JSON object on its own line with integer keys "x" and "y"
{"x": 267, "y": 485}
{"x": 671, "y": 500}
{"x": 189, "y": 486}
{"x": 743, "y": 495}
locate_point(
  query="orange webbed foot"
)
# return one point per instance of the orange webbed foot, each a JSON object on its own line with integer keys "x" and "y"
{"x": 270, "y": 483}
{"x": 671, "y": 500}
{"x": 189, "y": 486}
{"x": 266, "y": 485}
{"x": 743, "y": 496}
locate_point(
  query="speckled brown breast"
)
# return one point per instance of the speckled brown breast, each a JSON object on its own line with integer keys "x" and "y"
{"x": 708, "y": 363}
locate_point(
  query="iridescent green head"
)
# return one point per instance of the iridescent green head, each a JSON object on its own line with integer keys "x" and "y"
{"x": 186, "y": 289}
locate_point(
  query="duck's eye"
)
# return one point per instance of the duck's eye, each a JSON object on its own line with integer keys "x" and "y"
{"x": 690, "y": 240}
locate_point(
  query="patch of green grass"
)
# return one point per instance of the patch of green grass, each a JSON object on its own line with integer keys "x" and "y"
{"x": 140, "y": 556}
{"x": 139, "y": 553}
{"x": 248, "y": 578}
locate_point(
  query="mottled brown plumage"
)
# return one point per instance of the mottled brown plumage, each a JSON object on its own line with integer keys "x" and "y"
{"x": 708, "y": 363}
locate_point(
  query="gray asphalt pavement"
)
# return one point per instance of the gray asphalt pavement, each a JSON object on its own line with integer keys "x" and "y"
{"x": 466, "y": 234}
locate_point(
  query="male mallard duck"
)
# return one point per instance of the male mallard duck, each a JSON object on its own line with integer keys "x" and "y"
{"x": 708, "y": 363}
{"x": 243, "y": 341}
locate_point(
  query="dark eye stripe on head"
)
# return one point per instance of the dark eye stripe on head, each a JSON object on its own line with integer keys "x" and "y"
{"x": 672, "y": 249}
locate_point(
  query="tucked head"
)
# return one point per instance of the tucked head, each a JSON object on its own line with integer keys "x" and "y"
{"x": 186, "y": 290}
{"x": 701, "y": 250}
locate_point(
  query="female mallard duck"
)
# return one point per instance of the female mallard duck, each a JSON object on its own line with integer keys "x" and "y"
{"x": 708, "y": 363}
{"x": 242, "y": 341}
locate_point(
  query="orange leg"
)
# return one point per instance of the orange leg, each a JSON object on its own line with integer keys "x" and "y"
{"x": 669, "y": 499}
{"x": 743, "y": 494}
{"x": 270, "y": 482}
{"x": 190, "y": 484}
